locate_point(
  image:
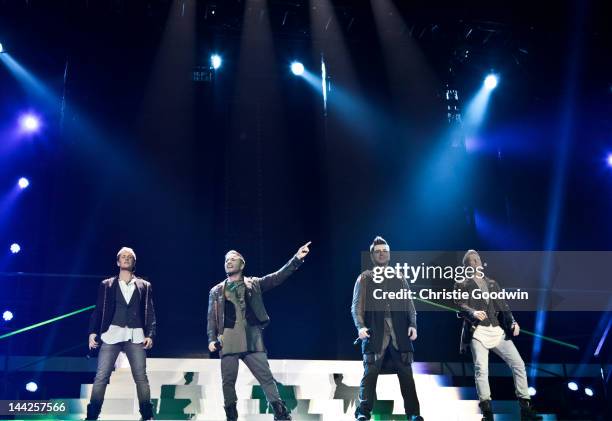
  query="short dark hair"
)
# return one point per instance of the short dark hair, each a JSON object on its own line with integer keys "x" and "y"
{"x": 378, "y": 240}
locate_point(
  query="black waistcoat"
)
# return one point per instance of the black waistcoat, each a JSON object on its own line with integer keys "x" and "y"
{"x": 127, "y": 315}
{"x": 376, "y": 310}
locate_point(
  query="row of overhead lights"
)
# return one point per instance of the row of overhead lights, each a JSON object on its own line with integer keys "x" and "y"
{"x": 216, "y": 61}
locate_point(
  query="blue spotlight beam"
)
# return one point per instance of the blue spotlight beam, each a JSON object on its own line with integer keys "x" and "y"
{"x": 603, "y": 338}
{"x": 557, "y": 195}
{"x": 30, "y": 83}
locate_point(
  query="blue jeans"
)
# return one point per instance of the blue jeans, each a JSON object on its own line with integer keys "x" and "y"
{"x": 137, "y": 357}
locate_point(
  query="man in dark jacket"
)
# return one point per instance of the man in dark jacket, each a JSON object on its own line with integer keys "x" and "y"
{"x": 236, "y": 319}
{"x": 386, "y": 329}
{"x": 488, "y": 324}
{"x": 124, "y": 320}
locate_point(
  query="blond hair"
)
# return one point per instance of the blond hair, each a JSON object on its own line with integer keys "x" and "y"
{"x": 126, "y": 250}
{"x": 467, "y": 253}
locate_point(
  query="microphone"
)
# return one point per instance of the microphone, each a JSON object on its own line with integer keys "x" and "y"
{"x": 218, "y": 345}
{"x": 358, "y": 340}
{"x": 91, "y": 353}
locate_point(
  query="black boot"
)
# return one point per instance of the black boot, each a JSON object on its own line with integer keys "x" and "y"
{"x": 362, "y": 413}
{"x": 146, "y": 410}
{"x": 231, "y": 413}
{"x": 527, "y": 411}
{"x": 487, "y": 410}
{"x": 280, "y": 411}
{"x": 93, "y": 411}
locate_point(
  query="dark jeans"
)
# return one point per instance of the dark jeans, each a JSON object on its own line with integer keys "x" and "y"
{"x": 401, "y": 363}
{"x": 257, "y": 362}
{"x": 137, "y": 357}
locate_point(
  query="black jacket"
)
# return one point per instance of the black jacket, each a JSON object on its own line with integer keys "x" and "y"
{"x": 256, "y": 311}
{"x": 467, "y": 307}
{"x": 370, "y": 313}
{"x": 105, "y": 306}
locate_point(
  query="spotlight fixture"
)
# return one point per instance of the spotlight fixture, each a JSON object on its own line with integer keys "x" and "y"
{"x": 31, "y": 387}
{"x": 23, "y": 183}
{"x": 215, "y": 61}
{"x": 15, "y": 248}
{"x": 297, "y": 68}
{"x": 573, "y": 386}
{"x": 29, "y": 123}
{"x": 7, "y": 316}
{"x": 491, "y": 81}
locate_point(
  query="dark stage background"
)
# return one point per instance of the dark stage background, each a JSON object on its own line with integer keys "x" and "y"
{"x": 142, "y": 156}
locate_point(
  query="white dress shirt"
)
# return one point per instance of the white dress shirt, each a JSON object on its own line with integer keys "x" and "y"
{"x": 116, "y": 334}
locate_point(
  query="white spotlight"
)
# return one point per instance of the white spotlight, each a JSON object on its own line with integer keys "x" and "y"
{"x": 297, "y": 68}
{"x": 7, "y": 316}
{"x": 31, "y": 387}
{"x": 23, "y": 183}
{"x": 216, "y": 61}
{"x": 491, "y": 81}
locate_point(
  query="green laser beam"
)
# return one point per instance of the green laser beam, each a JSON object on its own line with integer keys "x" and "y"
{"x": 537, "y": 335}
{"x": 553, "y": 340}
{"x": 436, "y": 304}
{"x": 442, "y": 306}
{"x": 46, "y": 322}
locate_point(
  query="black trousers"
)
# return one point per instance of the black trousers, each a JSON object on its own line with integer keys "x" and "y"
{"x": 397, "y": 362}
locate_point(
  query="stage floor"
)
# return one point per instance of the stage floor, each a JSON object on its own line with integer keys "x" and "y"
{"x": 313, "y": 390}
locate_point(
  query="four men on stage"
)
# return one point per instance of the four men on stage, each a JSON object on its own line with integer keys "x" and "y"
{"x": 124, "y": 320}
{"x": 236, "y": 319}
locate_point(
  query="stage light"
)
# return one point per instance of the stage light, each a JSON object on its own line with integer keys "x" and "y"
{"x": 7, "y": 316}
{"x": 15, "y": 248}
{"x": 609, "y": 160}
{"x": 572, "y": 386}
{"x": 1, "y": 48}
{"x": 532, "y": 391}
{"x": 215, "y": 61}
{"x": 29, "y": 123}
{"x": 297, "y": 68}
{"x": 490, "y": 82}
{"x": 588, "y": 391}
{"x": 31, "y": 387}
{"x": 23, "y": 183}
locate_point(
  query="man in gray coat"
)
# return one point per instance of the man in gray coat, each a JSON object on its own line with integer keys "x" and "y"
{"x": 236, "y": 319}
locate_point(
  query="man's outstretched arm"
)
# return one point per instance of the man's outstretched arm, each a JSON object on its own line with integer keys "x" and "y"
{"x": 275, "y": 279}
